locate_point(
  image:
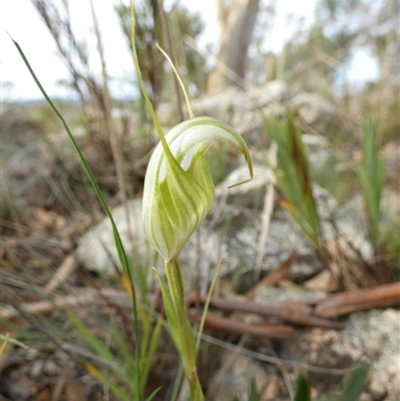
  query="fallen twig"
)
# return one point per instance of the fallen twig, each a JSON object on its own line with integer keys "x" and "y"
{"x": 292, "y": 312}
{"x": 67, "y": 266}
{"x": 274, "y": 277}
{"x": 358, "y": 300}
{"x": 80, "y": 297}
{"x": 270, "y": 330}
{"x": 289, "y": 312}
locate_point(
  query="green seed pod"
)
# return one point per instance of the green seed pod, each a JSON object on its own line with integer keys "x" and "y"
{"x": 178, "y": 189}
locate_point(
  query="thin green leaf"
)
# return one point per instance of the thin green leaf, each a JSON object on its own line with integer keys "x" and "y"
{"x": 206, "y": 306}
{"x": 120, "y": 248}
{"x": 153, "y": 394}
{"x": 127, "y": 355}
{"x": 292, "y": 176}
{"x": 150, "y": 351}
{"x": 7, "y": 339}
{"x": 254, "y": 394}
{"x": 170, "y": 312}
{"x": 94, "y": 342}
{"x": 351, "y": 387}
{"x": 303, "y": 389}
{"x": 354, "y": 382}
{"x": 372, "y": 176}
{"x": 115, "y": 388}
{"x": 177, "y": 383}
{"x": 191, "y": 115}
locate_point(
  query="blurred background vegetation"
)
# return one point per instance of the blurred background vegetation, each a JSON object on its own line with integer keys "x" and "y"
{"x": 47, "y": 204}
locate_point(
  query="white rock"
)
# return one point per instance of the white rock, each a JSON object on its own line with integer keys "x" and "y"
{"x": 96, "y": 249}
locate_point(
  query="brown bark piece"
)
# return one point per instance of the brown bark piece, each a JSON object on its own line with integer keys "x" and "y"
{"x": 273, "y": 278}
{"x": 269, "y": 330}
{"x": 358, "y": 300}
{"x": 289, "y": 312}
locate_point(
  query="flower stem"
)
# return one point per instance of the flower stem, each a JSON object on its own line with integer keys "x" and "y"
{"x": 181, "y": 329}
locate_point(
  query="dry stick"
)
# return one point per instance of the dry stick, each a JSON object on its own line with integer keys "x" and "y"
{"x": 67, "y": 266}
{"x": 225, "y": 367}
{"x": 326, "y": 58}
{"x": 270, "y": 330}
{"x": 109, "y": 121}
{"x": 274, "y": 277}
{"x": 72, "y": 53}
{"x": 171, "y": 53}
{"x": 282, "y": 368}
{"x": 59, "y": 385}
{"x": 82, "y": 297}
{"x": 294, "y": 312}
{"x": 14, "y": 226}
{"x": 334, "y": 305}
{"x": 290, "y": 312}
{"x": 114, "y": 141}
{"x": 357, "y": 300}
{"x": 267, "y": 210}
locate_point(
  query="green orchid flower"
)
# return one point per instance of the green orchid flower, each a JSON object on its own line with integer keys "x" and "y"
{"x": 179, "y": 190}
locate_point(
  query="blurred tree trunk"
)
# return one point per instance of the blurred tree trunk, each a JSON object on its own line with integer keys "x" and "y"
{"x": 236, "y": 20}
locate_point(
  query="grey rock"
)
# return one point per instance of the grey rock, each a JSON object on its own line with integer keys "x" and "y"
{"x": 313, "y": 110}
{"x": 97, "y": 251}
{"x": 235, "y": 375}
{"x": 264, "y": 294}
{"x": 345, "y": 229}
{"x": 235, "y": 106}
{"x": 354, "y": 209}
{"x": 370, "y": 337}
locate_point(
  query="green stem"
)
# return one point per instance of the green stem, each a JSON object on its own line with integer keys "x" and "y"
{"x": 183, "y": 337}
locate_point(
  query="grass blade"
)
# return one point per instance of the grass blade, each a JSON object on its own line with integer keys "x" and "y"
{"x": 292, "y": 177}
{"x": 116, "y": 390}
{"x": 354, "y": 382}
{"x": 372, "y": 176}
{"x": 303, "y": 389}
{"x": 118, "y": 243}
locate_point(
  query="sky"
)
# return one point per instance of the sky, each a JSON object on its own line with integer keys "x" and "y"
{"x": 21, "y": 20}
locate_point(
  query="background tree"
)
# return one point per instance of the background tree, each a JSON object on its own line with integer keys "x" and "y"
{"x": 236, "y": 21}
